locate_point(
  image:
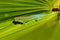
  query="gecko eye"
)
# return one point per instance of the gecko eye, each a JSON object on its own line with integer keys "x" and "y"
{"x": 55, "y": 9}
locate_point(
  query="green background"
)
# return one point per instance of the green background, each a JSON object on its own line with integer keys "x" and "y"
{"x": 48, "y": 28}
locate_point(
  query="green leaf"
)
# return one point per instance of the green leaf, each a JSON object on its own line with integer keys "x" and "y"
{"x": 47, "y": 28}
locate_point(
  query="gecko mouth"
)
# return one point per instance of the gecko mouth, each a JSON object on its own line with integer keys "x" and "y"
{"x": 14, "y": 22}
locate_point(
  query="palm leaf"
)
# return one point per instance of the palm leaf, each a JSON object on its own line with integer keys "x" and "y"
{"x": 46, "y": 28}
